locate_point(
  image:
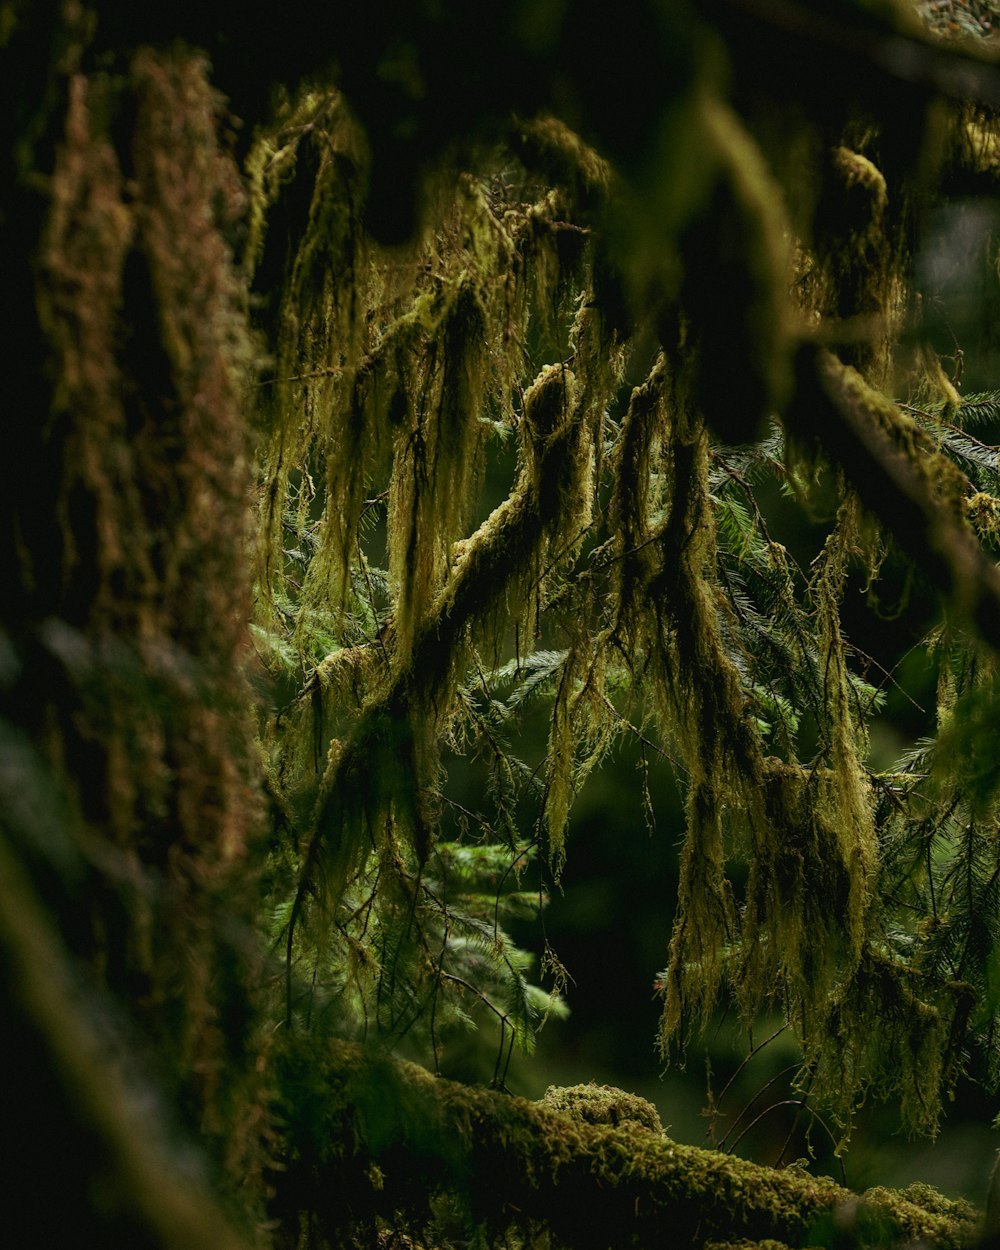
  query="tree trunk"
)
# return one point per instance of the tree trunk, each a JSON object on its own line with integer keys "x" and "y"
{"x": 129, "y": 791}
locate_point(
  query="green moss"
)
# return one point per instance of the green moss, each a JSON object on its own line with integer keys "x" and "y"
{"x": 766, "y": 1244}
{"x": 983, "y": 511}
{"x": 547, "y": 145}
{"x": 602, "y": 1104}
{"x": 931, "y": 1199}
{"x": 920, "y": 1212}
{"x": 629, "y": 548}
{"x": 535, "y": 1171}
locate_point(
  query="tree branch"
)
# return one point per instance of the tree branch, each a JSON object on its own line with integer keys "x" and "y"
{"x": 387, "y": 1136}
{"x": 835, "y": 407}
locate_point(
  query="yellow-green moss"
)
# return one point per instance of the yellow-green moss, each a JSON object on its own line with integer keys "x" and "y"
{"x": 602, "y": 1104}
{"x": 983, "y": 510}
{"x": 530, "y": 1169}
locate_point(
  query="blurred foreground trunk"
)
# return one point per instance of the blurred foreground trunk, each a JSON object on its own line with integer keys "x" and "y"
{"x": 127, "y": 787}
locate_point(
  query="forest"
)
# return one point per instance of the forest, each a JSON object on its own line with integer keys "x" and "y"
{"x": 499, "y": 524}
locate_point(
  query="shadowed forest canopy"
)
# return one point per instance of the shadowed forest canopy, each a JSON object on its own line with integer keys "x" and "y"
{"x": 412, "y": 422}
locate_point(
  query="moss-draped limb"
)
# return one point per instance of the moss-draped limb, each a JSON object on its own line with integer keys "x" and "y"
{"x": 906, "y": 487}
{"x": 702, "y": 704}
{"x": 807, "y": 829}
{"x": 391, "y": 357}
{"x": 380, "y": 1138}
{"x": 631, "y": 500}
{"x": 383, "y": 767}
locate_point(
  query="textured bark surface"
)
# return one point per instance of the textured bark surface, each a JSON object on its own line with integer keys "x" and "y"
{"x": 130, "y": 790}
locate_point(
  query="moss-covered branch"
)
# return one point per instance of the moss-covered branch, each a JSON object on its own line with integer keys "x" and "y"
{"x": 379, "y": 1139}
{"x": 902, "y": 485}
{"x": 373, "y": 780}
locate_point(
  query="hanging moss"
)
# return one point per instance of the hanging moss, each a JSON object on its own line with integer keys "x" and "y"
{"x": 617, "y": 563}
{"x": 391, "y": 755}
{"x": 908, "y": 1053}
{"x": 437, "y": 458}
{"x": 629, "y": 571}
{"x": 634, "y": 500}
{"x": 857, "y": 283}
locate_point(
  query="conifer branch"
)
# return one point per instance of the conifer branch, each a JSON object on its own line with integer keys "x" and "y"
{"x": 833, "y": 405}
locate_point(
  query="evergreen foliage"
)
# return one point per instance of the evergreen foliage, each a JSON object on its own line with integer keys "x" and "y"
{"x": 522, "y": 460}
{"x": 629, "y": 577}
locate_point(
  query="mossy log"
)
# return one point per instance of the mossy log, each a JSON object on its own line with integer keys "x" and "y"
{"x": 379, "y": 1139}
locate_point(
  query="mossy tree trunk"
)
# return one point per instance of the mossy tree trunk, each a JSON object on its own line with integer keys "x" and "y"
{"x": 129, "y": 791}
